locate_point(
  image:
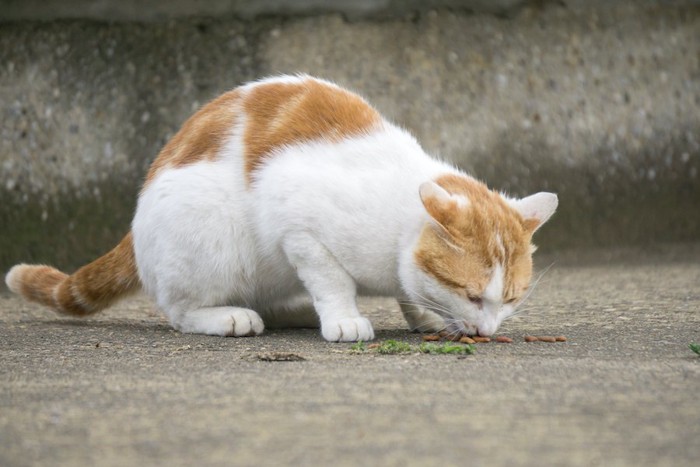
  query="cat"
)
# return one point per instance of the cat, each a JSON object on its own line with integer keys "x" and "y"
{"x": 280, "y": 201}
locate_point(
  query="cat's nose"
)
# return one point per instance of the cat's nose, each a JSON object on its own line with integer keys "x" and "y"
{"x": 487, "y": 330}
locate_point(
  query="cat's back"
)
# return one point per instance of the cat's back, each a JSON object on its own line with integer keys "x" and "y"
{"x": 289, "y": 111}
{"x": 255, "y": 122}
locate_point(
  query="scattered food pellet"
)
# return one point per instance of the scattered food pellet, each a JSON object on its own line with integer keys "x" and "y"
{"x": 481, "y": 340}
{"x": 431, "y": 337}
{"x": 545, "y": 339}
{"x": 504, "y": 339}
{"x": 443, "y": 333}
{"x": 467, "y": 340}
{"x": 453, "y": 337}
{"x": 376, "y": 345}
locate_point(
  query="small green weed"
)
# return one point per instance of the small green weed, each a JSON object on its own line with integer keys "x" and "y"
{"x": 446, "y": 348}
{"x": 358, "y": 346}
{"x": 392, "y": 347}
{"x": 695, "y": 348}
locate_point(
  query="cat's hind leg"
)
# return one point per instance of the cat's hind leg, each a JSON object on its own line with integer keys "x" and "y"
{"x": 221, "y": 321}
{"x": 193, "y": 250}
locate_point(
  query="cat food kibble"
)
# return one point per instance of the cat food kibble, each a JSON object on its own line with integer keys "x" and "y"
{"x": 481, "y": 340}
{"x": 504, "y": 340}
{"x": 545, "y": 339}
{"x": 431, "y": 337}
{"x": 467, "y": 340}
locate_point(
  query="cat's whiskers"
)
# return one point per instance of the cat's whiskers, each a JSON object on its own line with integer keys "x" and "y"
{"x": 425, "y": 327}
{"x": 443, "y": 312}
{"x": 428, "y": 303}
{"x": 450, "y": 322}
{"x": 519, "y": 310}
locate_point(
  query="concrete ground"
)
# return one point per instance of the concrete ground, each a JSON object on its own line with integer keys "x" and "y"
{"x": 124, "y": 389}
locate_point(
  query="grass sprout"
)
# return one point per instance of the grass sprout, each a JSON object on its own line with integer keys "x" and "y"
{"x": 392, "y": 347}
{"x": 358, "y": 346}
{"x": 446, "y": 348}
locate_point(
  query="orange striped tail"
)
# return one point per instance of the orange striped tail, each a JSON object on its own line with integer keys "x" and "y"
{"x": 90, "y": 289}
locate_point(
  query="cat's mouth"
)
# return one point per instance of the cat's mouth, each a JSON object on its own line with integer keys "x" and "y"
{"x": 460, "y": 327}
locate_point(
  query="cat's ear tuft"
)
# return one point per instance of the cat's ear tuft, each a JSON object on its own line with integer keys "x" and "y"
{"x": 440, "y": 204}
{"x": 536, "y": 209}
{"x": 432, "y": 192}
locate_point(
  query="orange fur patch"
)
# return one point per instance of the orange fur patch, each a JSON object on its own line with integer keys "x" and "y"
{"x": 280, "y": 114}
{"x": 37, "y": 283}
{"x": 201, "y": 136}
{"x": 96, "y": 285}
{"x": 90, "y": 289}
{"x": 472, "y": 238}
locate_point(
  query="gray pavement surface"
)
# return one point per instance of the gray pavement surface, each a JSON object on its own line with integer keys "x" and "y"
{"x": 124, "y": 389}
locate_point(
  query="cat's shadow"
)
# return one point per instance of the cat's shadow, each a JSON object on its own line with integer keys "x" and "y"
{"x": 151, "y": 327}
{"x": 125, "y": 325}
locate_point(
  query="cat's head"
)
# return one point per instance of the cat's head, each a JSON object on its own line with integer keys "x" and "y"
{"x": 472, "y": 263}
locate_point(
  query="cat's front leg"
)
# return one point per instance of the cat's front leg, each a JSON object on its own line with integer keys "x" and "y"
{"x": 333, "y": 290}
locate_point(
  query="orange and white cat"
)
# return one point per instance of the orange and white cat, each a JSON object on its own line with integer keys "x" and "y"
{"x": 279, "y": 202}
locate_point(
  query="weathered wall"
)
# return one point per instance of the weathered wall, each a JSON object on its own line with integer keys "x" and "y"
{"x": 600, "y": 103}
{"x": 159, "y": 10}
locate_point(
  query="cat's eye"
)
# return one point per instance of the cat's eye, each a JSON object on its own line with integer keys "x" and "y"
{"x": 510, "y": 301}
{"x": 474, "y": 299}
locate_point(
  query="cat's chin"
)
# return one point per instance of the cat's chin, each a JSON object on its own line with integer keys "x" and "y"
{"x": 461, "y": 328}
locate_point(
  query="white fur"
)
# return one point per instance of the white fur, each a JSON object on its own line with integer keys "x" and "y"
{"x": 459, "y": 314}
{"x": 539, "y": 206}
{"x": 13, "y": 279}
{"x": 321, "y": 220}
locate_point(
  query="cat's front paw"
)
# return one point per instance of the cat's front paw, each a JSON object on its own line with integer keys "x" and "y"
{"x": 347, "y": 330}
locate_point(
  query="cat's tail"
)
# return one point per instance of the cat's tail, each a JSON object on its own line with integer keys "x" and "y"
{"x": 89, "y": 290}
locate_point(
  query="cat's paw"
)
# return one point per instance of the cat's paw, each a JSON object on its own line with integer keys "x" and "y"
{"x": 347, "y": 330}
{"x": 222, "y": 321}
{"x": 245, "y": 323}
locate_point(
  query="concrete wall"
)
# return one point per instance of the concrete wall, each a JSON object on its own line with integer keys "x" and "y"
{"x": 159, "y": 10}
{"x": 598, "y": 101}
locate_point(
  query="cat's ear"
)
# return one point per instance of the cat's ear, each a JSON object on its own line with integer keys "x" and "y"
{"x": 432, "y": 192}
{"x": 536, "y": 209}
{"x": 441, "y": 205}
